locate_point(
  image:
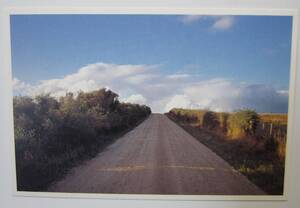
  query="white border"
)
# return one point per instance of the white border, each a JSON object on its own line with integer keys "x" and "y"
{"x": 178, "y": 11}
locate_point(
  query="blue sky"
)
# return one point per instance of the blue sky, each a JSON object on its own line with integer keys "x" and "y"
{"x": 251, "y": 50}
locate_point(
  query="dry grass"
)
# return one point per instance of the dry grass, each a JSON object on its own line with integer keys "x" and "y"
{"x": 259, "y": 156}
{"x": 199, "y": 114}
{"x": 274, "y": 118}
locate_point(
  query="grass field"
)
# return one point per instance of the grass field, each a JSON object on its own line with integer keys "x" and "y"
{"x": 274, "y": 117}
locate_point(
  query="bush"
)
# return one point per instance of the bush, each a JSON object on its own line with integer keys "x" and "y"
{"x": 223, "y": 118}
{"x": 185, "y": 116}
{"x": 210, "y": 120}
{"x": 51, "y": 135}
{"x": 242, "y": 123}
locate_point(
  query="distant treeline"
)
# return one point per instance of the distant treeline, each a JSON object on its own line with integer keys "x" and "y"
{"x": 52, "y": 135}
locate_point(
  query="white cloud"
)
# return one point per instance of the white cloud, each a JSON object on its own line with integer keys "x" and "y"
{"x": 223, "y": 23}
{"x": 226, "y": 95}
{"x": 21, "y": 88}
{"x": 140, "y": 78}
{"x": 178, "y": 76}
{"x": 144, "y": 84}
{"x": 180, "y": 101}
{"x": 218, "y": 22}
{"x": 87, "y": 78}
{"x": 136, "y": 98}
{"x": 283, "y": 92}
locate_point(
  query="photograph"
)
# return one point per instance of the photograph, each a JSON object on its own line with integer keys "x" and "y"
{"x": 151, "y": 104}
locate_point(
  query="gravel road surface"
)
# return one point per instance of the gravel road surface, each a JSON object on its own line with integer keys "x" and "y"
{"x": 157, "y": 157}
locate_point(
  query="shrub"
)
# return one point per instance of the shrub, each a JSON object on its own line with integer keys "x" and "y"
{"x": 187, "y": 116}
{"x": 223, "y": 118}
{"x": 242, "y": 123}
{"x": 210, "y": 120}
{"x": 50, "y": 134}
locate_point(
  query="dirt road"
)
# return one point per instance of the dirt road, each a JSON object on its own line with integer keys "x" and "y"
{"x": 157, "y": 157}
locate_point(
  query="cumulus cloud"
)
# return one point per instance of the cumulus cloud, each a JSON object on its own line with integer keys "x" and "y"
{"x": 136, "y": 98}
{"x": 227, "y": 95}
{"x": 144, "y": 84}
{"x": 20, "y": 87}
{"x": 223, "y": 23}
{"x": 87, "y": 78}
{"x": 180, "y": 101}
{"x": 218, "y": 22}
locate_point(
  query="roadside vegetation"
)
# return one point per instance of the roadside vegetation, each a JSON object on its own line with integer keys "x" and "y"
{"x": 254, "y": 144}
{"x": 51, "y": 135}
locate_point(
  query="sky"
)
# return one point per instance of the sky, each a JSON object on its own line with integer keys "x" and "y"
{"x": 222, "y": 63}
